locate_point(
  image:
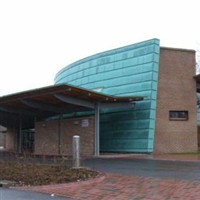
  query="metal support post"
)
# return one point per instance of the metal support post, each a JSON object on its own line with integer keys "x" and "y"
{"x": 20, "y": 135}
{"x": 59, "y": 133}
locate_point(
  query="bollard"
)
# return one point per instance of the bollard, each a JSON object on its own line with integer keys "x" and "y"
{"x": 76, "y": 151}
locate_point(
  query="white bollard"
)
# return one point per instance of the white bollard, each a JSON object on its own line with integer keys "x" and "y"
{"x": 76, "y": 151}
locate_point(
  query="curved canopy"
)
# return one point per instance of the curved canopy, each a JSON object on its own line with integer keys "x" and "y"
{"x": 57, "y": 99}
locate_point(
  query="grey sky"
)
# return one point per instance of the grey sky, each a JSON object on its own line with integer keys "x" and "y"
{"x": 39, "y": 37}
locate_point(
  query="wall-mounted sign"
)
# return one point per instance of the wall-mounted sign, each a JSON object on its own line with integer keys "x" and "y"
{"x": 85, "y": 123}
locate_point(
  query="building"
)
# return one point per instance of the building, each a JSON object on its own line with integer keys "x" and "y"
{"x": 2, "y": 135}
{"x": 137, "y": 98}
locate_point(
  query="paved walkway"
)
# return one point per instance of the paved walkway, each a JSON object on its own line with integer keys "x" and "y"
{"x": 171, "y": 157}
{"x": 125, "y": 187}
{"x": 121, "y": 187}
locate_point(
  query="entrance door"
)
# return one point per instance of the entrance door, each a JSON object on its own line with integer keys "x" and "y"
{"x": 28, "y": 140}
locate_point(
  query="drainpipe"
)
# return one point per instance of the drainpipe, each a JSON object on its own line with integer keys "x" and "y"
{"x": 20, "y": 135}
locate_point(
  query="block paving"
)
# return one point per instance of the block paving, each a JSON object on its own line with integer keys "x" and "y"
{"x": 123, "y": 187}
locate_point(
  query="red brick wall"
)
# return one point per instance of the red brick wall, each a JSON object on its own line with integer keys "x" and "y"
{"x": 176, "y": 91}
{"x": 198, "y": 137}
{"x": 47, "y": 136}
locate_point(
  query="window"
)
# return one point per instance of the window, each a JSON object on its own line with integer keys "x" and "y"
{"x": 178, "y": 115}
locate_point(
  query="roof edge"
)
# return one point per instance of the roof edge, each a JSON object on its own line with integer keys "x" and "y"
{"x": 177, "y": 49}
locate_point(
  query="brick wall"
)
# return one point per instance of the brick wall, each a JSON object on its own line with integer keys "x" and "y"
{"x": 47, "y": 136}
{"x": 10, "y": 140}
{"x": 198, "y": 137}
{"x": 176, "y": 91}
{"x": 2, "y": 140}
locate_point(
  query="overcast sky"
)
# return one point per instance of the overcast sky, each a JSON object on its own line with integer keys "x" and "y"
{"x": 40, "y": 37}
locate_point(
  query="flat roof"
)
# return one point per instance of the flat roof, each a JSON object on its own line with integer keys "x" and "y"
{"x": 178, "y": 49}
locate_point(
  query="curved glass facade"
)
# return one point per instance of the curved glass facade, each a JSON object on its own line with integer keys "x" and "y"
{"x": 127, "y": 71}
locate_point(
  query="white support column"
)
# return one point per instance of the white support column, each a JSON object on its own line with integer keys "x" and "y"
{"x": 97, "y": 121}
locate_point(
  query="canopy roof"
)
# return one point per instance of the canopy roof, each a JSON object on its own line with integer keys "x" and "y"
{"x": 56, "y": 99}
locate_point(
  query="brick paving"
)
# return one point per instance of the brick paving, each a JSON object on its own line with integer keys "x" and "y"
{"x": 123, "y": 187}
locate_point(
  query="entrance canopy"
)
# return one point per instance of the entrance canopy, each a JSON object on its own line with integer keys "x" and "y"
{"x": 56, "y": 100}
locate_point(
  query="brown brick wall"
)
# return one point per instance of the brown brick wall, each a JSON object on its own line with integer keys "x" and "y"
{"x": 47, "y": 136}
{"x": 10, "y": 140}
{"x": 198, "y": 137}
{"x": 176, "y": 91}
{"x": 2, "y": 140}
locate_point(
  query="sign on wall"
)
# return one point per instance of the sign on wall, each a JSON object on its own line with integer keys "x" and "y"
{"x": 85, "y": 123}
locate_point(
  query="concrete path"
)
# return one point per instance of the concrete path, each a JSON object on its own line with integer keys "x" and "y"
{"x": 134, "y": 178}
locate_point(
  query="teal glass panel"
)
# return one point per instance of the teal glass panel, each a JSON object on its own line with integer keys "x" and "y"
{"x": 127, "y": 71}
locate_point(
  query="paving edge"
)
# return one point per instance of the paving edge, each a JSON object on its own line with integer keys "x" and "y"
{"x": 6, "y": 183}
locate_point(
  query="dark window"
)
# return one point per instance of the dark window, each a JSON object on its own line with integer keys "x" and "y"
{"x": 178, "y": 115}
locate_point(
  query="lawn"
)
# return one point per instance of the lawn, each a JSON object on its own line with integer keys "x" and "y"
{"x": 40, "y": 174}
